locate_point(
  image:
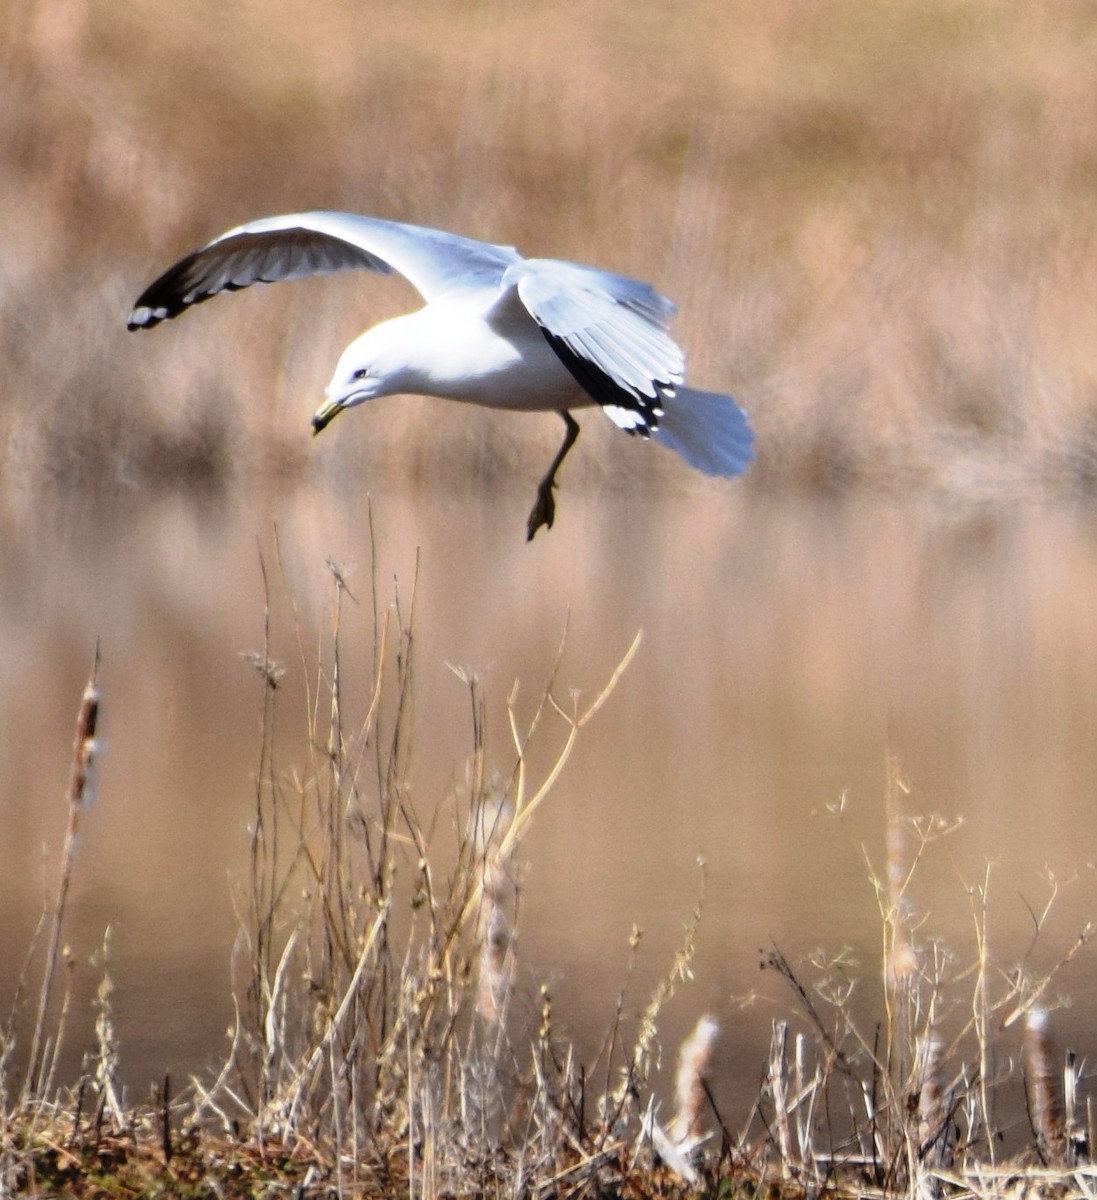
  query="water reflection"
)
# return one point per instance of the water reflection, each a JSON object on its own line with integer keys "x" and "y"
{"x": 787, "y": 645}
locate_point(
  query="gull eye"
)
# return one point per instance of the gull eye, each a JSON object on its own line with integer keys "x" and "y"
{"x": 361, "y": 373}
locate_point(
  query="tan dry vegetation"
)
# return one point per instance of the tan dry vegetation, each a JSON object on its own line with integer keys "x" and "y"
{"x": 388, "y": 1039}
{"x": 878, "y": 222}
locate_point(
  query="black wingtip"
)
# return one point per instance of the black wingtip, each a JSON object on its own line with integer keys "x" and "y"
{"x": 169, "y": 295}
{"x": 161, "y": 300}
{"x": 603, "y": 388}
{"x": 142, "y": 317}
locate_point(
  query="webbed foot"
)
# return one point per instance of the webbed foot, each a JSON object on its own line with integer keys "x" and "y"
{"x": 543, "y": 512}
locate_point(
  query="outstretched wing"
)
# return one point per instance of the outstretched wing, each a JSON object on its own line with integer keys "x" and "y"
{"x": 609, "y": 331}
{"x": 321, "y": 243}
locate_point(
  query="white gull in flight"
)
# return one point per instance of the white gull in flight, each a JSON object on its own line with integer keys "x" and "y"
{"x": 534, "y": 334}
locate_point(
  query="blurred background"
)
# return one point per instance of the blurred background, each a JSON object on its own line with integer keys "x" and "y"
{"x": 879, "y": 225}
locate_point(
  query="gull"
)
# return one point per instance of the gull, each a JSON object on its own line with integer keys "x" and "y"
{"x": 497, "y": 329}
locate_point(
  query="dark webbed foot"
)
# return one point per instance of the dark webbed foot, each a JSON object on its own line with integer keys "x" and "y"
{"x": 543, "y": 512}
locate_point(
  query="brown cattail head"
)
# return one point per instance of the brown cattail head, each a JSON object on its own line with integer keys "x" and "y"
{"x": 931, "y": 1110}
{"x": 493, "y": 925}
{"x": 1044, "y": 1107}
{"x": 85, "y": 749}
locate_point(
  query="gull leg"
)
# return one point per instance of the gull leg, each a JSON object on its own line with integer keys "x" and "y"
{"x": 544, "y": 507}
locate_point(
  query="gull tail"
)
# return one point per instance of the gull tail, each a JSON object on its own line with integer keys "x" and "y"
{"x": 709, "y": 431}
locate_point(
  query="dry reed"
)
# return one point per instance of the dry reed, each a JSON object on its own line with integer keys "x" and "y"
{"x": 399, "y": 1057}
{"x": 920, "y": 1085}
{"x": 377, "y": 1050}
{"x": 42, "y": 1055}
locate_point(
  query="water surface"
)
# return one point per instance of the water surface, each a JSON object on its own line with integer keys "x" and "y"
{"x": 788, "y": 646}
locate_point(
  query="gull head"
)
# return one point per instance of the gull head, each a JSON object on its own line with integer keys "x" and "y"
{"x": 369, "y": 367}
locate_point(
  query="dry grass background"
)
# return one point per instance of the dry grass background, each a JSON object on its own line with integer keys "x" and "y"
{"x": 878, "y": 221}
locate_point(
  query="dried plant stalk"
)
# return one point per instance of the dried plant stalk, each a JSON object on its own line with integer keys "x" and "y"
{"x": 80, "y": 791}
{"x": 777, "y": 1082}
{"x": 107, "y": 1058}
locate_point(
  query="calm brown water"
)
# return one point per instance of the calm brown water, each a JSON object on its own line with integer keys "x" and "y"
{"x": 786, "y": 646}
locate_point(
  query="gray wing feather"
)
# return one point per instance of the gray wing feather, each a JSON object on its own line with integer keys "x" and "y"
{"x": 608, "y": 330}
{"x": 320, "y": 243}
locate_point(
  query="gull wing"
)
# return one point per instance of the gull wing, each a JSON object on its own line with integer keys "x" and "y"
{"x": 609, "y": 331}
{"x": 321, "y": 243}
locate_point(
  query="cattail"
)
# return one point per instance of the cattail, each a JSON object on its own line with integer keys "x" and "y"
{"x": 493, "y": 930}
{"x": 932, "y": 1121}
{"x": 694, "y": 1070}
{"x": 495, "y": 941}
{"x": 1072, "y": 1135}
{"x": 901, "y": 957}
{"x": 1044, "y": 1109}
{"x": 544, "y": 1027}
{"x": 495, "y": 963}
{"x": 85, "y": 755}
{"x": 931, "y": 1113}
{"x": 85, "y": 749}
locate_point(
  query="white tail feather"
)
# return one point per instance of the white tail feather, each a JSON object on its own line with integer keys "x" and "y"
{"x": 709, "y": 431}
